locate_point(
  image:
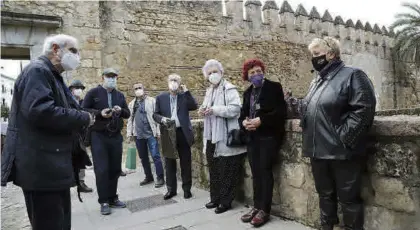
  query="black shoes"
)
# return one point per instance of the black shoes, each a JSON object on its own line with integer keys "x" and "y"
{"x": 123, "y": 173}
{"x": 222, "y": 208}
{"x": 105, "y": 209}
{"x": 169, "y": 195}
{"x": 211, "y": 205}
{"x": 187, "y": 195}
{"x": 84, "y": 188}
{"x": 159, "y": 183}
{"x": 146, "y": 181}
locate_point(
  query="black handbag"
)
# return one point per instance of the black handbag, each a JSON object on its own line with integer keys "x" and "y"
{"x": 235, "y": 137}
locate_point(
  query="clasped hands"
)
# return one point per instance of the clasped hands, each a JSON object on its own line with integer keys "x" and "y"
{"x": 205, "y": 111}
{"x": 251, "y": 124}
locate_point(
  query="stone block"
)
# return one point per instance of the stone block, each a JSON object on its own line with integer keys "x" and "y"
{"x": 87, "y": 63}
{"x": 379, "y": 218}
{"x": 293, "y": 175}
{"x": 392, "y": 194}
{"x": 293, "y": 201}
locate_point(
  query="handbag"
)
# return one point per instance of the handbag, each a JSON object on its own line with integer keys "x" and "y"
{"x": 235, "y": 137}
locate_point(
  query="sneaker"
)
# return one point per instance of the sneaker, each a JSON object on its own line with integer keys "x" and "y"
{"x": 146, "y": 181}
{"x": 117, "y": 204}
{"x": 105, "y": 209}
{"x": 159, "y": 183}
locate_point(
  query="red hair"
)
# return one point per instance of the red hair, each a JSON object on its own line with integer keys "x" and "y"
{"x": 249, "y": 64}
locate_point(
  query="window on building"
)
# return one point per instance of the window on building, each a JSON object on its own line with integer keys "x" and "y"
{"x": 11, "y": 91}
{"x": 3, "y": 101}
{"x": 3, "y": 89}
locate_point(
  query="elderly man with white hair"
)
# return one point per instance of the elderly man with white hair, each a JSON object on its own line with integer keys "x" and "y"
{"x": 173, "y": 107}
{"x": 221, "y": 109}
{"x": 337, "y": 114}
{"x": 39, "y": 142}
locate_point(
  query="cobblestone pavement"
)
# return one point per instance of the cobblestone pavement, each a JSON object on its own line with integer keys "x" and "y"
{"x": 146, "y": 210}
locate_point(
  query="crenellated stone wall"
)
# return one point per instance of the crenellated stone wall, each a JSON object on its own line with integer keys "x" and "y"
{"x": 147, "y": 40}
{"x": 391, "y": 187}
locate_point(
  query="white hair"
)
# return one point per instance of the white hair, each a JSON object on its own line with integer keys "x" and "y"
{"x": 330, "y": 44}
{"x": 62, "y": 40}
{"x": 175, "y": 77}
{"x": 211, "y": 63}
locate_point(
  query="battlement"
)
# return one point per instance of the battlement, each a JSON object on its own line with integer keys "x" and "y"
{"x": 299, "y": 26}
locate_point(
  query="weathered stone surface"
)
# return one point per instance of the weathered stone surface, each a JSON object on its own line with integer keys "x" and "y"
{"x": 391, "y": 186}
{"x": 147, "y": 40}
{"x": 391, "y": 193}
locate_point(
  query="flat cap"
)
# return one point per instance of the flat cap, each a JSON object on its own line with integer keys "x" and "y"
{"x": 110, "y": 71}
{"x": 76, "y": 84}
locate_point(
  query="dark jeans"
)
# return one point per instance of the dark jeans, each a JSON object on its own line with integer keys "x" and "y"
{"x": 143, "y": 148}
{"x": 107, "y": 154}
{"x": 184, "y": 151}
{"x": 342, "y": 178}
{"x": 224, "y": 175}
{"x": 49, "y": 209}
{"x": 262, "y": 152}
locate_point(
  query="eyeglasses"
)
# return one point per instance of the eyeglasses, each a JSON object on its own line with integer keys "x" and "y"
{"x": 73, "y": 50}
{"x": 138, "y": 88}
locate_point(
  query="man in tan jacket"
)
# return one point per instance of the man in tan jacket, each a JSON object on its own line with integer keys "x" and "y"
{"x": 142, "y": 129}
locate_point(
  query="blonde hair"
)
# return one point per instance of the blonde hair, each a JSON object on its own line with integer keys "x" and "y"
{"x": 330, "y": 44}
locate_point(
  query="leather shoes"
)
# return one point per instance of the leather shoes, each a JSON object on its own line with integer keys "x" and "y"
{"x": 248, "y": 217}
{"x": 169, "y": 195}
{"x": 211, "y": 205}
{"x": 146, "y": 181}
{"x": 260, "y": 219}
{"x": 187, "y": 195}
{"x": 222, "y": 208}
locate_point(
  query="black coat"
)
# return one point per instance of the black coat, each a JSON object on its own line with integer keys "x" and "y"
{"x": 338, "y": 112}
{"x": 96, "y": 100}
{"x": 272, "y": 111}
{"x": 38, "y": 150}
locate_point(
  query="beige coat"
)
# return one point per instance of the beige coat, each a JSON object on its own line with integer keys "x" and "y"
{"x": 149, "y": 105}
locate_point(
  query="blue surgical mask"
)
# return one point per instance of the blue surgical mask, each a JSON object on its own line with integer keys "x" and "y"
{"x": 110, "y": 83}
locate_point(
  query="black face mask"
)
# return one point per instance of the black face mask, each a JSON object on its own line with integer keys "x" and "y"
{"x": 319, "y": 62}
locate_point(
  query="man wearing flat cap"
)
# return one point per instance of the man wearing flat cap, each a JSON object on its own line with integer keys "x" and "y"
{"x": 110, "y": 108}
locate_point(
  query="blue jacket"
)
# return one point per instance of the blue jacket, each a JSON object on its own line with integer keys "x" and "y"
{"x": 185, "y": 103}
{"x": 38, "y": 150}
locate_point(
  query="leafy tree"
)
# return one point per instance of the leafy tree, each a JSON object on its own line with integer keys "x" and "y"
{"x": 4, "y": 111}
{"x": 407, "y": 38}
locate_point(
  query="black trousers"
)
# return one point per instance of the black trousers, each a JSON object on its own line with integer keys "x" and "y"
{"x": 49, "y": 209}
{"x": 224, "y": 175}
{"x": 184, "y": 151}
{"x": 342, "y": 178}
{"x": 262, "y": 153}
{"x": 107, "y": 156}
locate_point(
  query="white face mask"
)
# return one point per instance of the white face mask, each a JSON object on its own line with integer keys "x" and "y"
{"x": 139, "y": 92}
{"x": 173, "y": 86}
{"x": 69, "y": 61}
{"x": 215, "y": 78}
{"x": 77, "y": 92}
{"x": 110, "y": 82}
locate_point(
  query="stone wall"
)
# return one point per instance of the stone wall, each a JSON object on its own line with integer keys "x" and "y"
{"x": 147, "y": 40}
{"x": 391, "y": 181}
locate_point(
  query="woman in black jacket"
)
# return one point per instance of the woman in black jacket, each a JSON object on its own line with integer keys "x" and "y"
{"x": 338, "y": 112}
{"x": 262, "y": 118}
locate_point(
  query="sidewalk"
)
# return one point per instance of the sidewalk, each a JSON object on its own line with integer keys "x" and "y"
{"x": 150, "y": 211}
